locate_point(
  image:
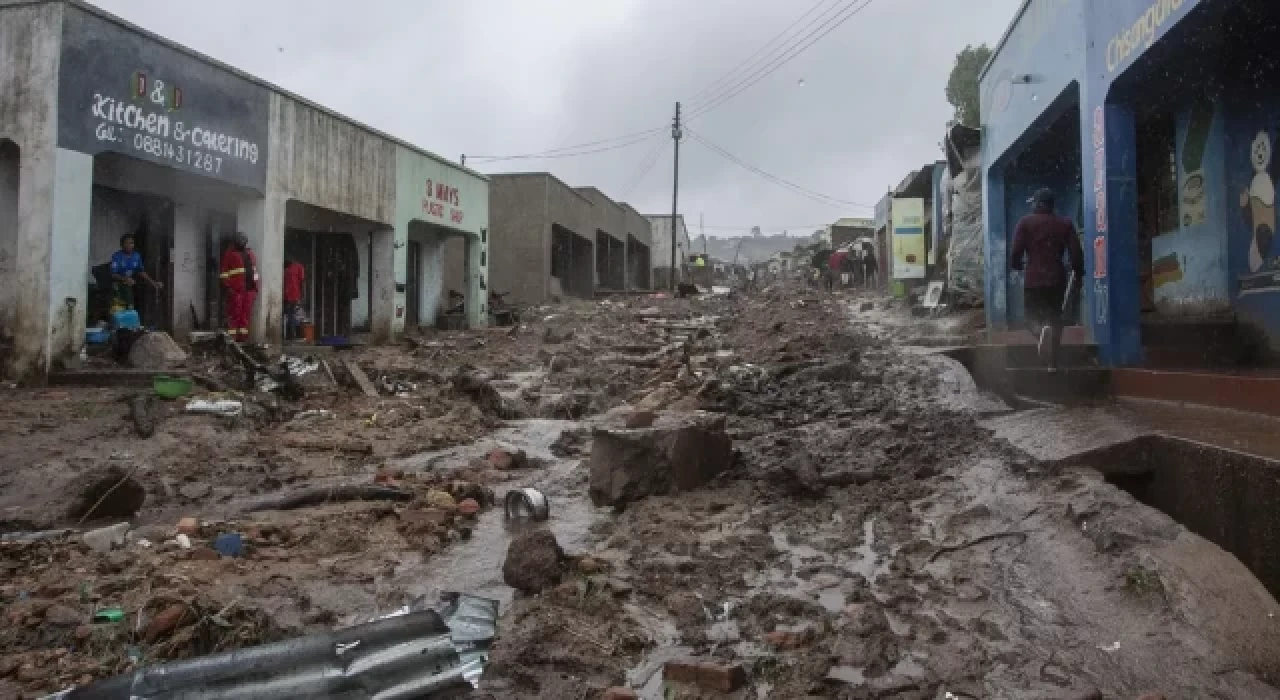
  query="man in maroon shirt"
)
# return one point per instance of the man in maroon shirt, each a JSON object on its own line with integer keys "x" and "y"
{"x": 1044, "y": 239}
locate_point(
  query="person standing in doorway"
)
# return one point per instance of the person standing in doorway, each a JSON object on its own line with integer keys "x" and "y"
{"x": 126, "y": 270}
{"x": 240, "y": 278}
{"x": 1043, "y": 238}
{"x": 294, "y": 276}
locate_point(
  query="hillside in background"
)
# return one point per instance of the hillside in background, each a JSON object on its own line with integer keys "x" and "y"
{"x": 754, "y": 248}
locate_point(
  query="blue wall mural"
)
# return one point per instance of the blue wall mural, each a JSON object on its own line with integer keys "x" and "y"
{"x": 1252, "y": 171}
{"x": 1189, "y": 266}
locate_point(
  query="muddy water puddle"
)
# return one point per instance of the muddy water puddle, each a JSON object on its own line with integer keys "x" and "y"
{"x": 475, "y": 565}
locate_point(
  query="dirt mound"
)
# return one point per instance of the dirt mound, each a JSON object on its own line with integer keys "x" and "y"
{"x": 534, "y": 562}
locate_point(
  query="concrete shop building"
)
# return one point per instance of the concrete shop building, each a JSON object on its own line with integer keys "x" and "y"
{"x": 1155, "y": 122}
{"x": 552, "y": 240}
{"x": 661, "y": 252}
{"x": 106, "y": 129}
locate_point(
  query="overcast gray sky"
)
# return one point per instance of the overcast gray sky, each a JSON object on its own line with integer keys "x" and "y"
{"x": 498, "y": 77}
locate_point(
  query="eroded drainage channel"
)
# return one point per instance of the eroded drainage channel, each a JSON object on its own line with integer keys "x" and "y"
{"x": 474, "y": 566}
{"x": 1226, "y": 497}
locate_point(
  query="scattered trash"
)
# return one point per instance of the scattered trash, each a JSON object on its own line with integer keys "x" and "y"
{"x": 527, "y": 503}
{"x": 1110, "y": 648}
{"x": 298, "y": 366}
{"x": 37, "y": 536}
{"x": 223, "y": 407}
{"x": 183, "y": 541}
{"x": 396, "y": 387}
{"x": 229, "y": 544}
{"x": 313, "y": 415}
{"x": 144, "y": 543}
{"x": 108, "y": 615}
{"x": 410, "y": 653}
{"x": 105, "y": 539}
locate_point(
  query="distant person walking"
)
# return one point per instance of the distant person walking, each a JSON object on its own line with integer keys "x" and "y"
{"x": 1043, "y": 238}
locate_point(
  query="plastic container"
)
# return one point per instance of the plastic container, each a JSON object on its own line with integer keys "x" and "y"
{"x": 125, "y": 319}
{"x": 167, "y": 387}
{"x": 309, "y": 332}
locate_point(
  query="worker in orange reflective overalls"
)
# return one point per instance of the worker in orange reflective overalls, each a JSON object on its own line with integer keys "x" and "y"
{"x": 240, "y": 278}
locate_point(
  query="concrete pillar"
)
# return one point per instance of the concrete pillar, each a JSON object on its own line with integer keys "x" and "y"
{"x": 387, "y": 268}
{"x": 69, "y": 253}
{"x": 996, "y": 251}
{"x": 262, "y": 221}
{"x": 188, "y": 266}
{"x": 1114, "y": 296}
{"x": 477, "y": 282}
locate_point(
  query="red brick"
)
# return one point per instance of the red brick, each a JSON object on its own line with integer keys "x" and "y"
{"x": 680, "y": 671}
{"x": 163, "y": 624}
{"x": 189, "y": 527}
{"x": 204, "y": 554}
{"x": 724, "y": 678}
{"x": 1152, "y": 696}
{"x": 468, "y": 506}
{"x": 640, "y": 419}
{"x": 619, "y": 694}
{"x": 501, "y": 459}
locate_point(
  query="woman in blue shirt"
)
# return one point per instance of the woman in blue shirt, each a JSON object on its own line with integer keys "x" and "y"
{"x": 126, "y": 265}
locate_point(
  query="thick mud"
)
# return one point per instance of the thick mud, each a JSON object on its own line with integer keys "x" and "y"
{"x": 886, "y": 530}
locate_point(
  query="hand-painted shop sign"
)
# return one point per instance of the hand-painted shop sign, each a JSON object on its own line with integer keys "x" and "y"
{"x": 1139, "y": 37}
{"x": 437, "y": 196}
{"x": 1099, "y": 257}
{"x": 124, "y": 93}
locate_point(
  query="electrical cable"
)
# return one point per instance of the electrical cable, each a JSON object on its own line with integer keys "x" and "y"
{"x": 646, "y": 165}
{"x": 799, "y": 189}
{"x": 767, "y": 70}
{"x": 570, "y": 151}
{"x": 750, "y": 60}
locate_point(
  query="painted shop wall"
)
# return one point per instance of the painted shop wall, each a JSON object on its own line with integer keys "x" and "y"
{"x": 436, "y": 193}
{"x": 1252, "y": 172}
{"x": 1046, "y": 43}
{"x": 1189, "y": 266}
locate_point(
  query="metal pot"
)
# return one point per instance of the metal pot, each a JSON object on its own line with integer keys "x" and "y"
{"x": 527, "y": 503}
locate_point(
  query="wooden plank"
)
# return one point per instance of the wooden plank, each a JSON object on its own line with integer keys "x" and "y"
{"x": 361, "y": 379}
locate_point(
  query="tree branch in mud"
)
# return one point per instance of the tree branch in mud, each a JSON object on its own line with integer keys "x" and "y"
{"x": 336, "y": 494}
{"x": 977, "y": 540}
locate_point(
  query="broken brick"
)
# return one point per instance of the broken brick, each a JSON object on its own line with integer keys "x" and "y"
{"x": 708, "y": 675}
{"x": 469, "y": 506}
{"x": 164, "y": 623}
{"x": 189, "y": 527}
{"x": 204, "y": 554}
{"x": 619, "y": 694}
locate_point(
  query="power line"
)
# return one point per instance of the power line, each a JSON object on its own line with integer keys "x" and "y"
{"x": 646, "y": 165}
{"x": 751, "y": 59}
{"x": 799, "y": 189}
{"x": 629, "y": 139}
{"x": 767, "y": 70}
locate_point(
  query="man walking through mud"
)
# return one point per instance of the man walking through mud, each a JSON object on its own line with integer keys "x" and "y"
{"x": 1044, "y": 239}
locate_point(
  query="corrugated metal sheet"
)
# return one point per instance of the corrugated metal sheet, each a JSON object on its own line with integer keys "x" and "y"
{"x": 409, "y": 654}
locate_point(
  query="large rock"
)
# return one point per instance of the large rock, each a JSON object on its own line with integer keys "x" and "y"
{"x": 534, "y": 562}
{"x": 679, "y": 452}
{"x": 156, "y": 351}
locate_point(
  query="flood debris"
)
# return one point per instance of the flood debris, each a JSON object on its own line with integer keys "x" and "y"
{"x": 109, "y": 492}
{"x": 534, "y": 562}
{"x": 678, "y": 452}
{"x": 413, "y": 653}
{"x": 526, "y": 503}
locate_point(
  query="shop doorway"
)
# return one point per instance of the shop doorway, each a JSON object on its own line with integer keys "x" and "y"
{"x": 332, "y": 283}
{"x": 149, "y": 220}
{"x": 1157, "y": 196}
{"x": 10, "y": 172}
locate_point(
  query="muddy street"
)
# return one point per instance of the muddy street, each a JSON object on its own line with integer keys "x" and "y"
{"x": 778, "y": 495}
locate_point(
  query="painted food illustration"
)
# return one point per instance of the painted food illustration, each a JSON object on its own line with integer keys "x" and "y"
{"x": 1166, "y": 270}
{"x": 1260, "y": 201}
{"x": 1194, "y": 202}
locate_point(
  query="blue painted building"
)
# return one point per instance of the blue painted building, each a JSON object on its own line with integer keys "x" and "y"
{"x": 1155, "y": 122}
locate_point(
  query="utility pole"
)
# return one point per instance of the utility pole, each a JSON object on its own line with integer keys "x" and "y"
{"x": 675, "y": 192}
